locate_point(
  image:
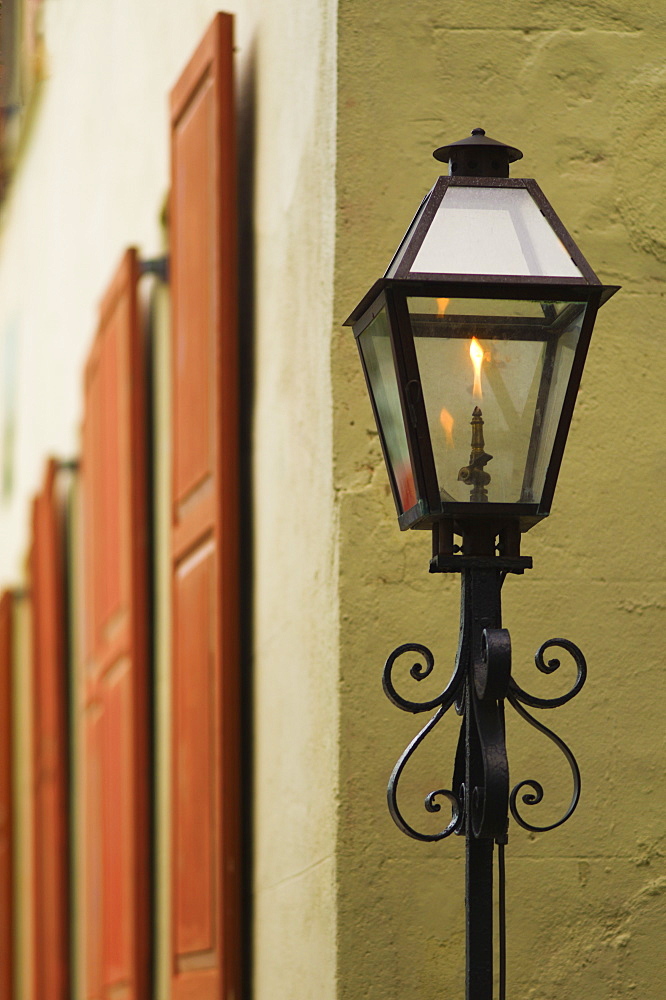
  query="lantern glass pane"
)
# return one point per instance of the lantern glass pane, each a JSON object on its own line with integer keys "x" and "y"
{"x": 375, "y": 347}
{"x": 510, "y": 360}
{"x": 479, "y": 230}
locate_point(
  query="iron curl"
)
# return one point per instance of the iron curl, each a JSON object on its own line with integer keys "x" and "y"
{"x": 549, "y": 667}
{"x": 536, "y": 795}
{"x": 430, "y": 804}
{"x": 418, "y": 671}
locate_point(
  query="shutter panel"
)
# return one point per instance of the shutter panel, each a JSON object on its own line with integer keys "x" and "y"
{"x": 50, "y": 789}
{"x": 206, "y": 924}
{"x": 6, "y": 758}
{"x": 115, "y": 674}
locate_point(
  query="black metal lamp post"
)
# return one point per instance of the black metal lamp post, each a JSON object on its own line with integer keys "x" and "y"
{"x": 473, "y": 345}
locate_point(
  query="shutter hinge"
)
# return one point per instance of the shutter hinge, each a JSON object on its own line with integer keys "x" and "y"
{"x": 159, "y": 266}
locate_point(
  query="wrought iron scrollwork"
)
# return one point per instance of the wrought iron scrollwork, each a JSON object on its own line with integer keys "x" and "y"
{"x": 481, "y": 798}
{"x": 515, "y": 696}
{"x": 492, "y": 684}
{"x": 442, "y": 703}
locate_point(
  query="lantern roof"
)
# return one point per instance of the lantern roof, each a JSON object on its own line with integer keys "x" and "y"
{"x": 488, "y": 231}
{"x": 469, "y": 228}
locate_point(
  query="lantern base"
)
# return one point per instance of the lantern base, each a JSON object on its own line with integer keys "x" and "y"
{"x": 422, "y": 517}
{"x": 492, "y": 543}
{"x": 456, "y": 564}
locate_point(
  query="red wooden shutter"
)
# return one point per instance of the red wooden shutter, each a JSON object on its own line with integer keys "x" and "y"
{"x": 206, "y": 931}
{"x": 115, "y": 728}
{"x": 6, "y": 757}
{"x": 50, "y": 803}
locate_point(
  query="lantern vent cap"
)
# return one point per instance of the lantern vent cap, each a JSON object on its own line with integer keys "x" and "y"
{"x": 478, "y": 155}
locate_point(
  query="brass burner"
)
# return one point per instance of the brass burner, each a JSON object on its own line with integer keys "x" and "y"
{"x": 473, "y": 474}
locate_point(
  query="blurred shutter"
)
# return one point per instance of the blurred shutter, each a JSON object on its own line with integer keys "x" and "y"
{"x": 50, "y": 788}
{"x": 114, "y": 696}
{"x": 206, "y": 927}
{"x": 6, "y": 758}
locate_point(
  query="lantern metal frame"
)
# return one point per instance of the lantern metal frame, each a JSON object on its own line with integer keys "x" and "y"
{"x": 480, "y": 793}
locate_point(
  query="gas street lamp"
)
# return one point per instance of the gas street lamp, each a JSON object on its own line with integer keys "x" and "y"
{"x": 473, "y": 346}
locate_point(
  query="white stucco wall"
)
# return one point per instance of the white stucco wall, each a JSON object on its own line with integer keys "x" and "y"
{"x": 92, "y": 179}
{"x": 296, "y": 612}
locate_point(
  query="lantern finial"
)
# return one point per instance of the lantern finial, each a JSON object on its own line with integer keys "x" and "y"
{"x": 478, "y": 156}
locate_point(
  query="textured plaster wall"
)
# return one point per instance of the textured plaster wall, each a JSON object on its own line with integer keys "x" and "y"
{"x": 581, "y": 89}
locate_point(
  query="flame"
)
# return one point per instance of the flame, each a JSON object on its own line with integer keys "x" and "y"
{"x": 476, "y": 354}
{"x": 442, "y": 306}
{"x": 446, "y": 420}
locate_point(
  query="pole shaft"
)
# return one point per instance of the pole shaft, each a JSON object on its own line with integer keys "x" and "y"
{"x": 481, "y": 609}
{"x": 479, "y": 919}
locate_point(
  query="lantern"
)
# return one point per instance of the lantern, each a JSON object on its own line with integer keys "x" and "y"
{"x": 473, "y": 345}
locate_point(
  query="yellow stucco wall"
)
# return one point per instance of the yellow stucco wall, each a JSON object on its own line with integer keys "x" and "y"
{"x": 581, "y": 89}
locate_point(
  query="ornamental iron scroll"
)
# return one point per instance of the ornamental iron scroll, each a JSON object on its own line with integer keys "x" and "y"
{"x": 442, "y": 703}
{"x": 518, "y": 698}
{"x": 480, "y": 685}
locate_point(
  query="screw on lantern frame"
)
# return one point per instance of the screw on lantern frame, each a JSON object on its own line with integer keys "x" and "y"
{"x": 480, "y": 795}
